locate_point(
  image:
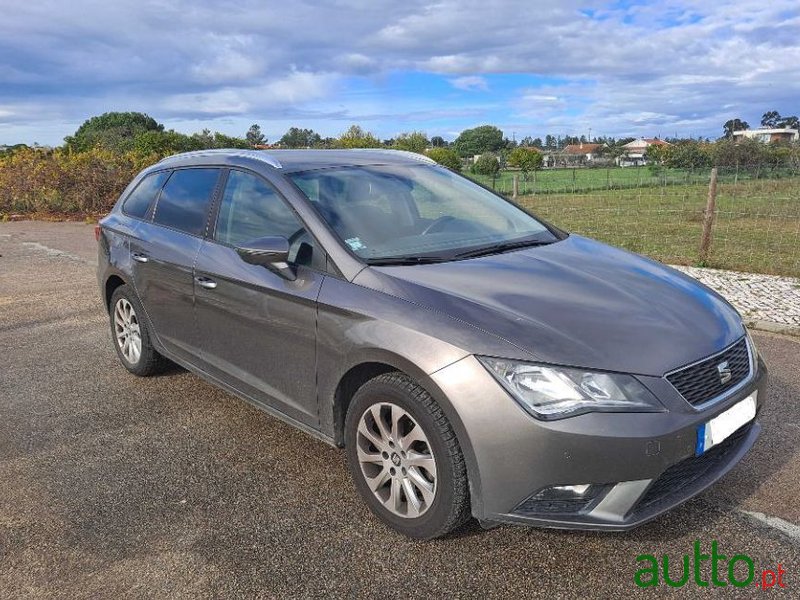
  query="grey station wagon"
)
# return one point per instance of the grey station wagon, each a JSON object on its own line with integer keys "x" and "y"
{"x": 471, "y": 359}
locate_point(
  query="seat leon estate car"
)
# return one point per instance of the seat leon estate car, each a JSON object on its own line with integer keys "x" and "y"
{"x": 471, "y": 359}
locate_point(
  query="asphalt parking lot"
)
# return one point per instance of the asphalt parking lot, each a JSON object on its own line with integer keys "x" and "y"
{"x": 168, "y": 487}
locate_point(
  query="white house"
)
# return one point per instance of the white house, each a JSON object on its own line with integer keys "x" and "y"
{"x": 634, "y": 152}
{"x": 766, "y": 135}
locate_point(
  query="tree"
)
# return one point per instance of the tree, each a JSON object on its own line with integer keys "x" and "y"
{"x": 744, "y": 153}
{"x": 208, "y": 140}
{"x": 113, "y": 131}
{"x": 479, "y": 140}
{"x": 688, "y": 155}
{"x": 164, "y": 143}
{"x": 549, "y": 141}
{"x": 656, "y": 155}
{"x": 356, "y": 137}
{"x": 732, "y": 125}
{"x": 790, "y": 123}
{"x": 525, "y": 159}
{"x": 438, "y": 141}
{"x": 445, "y": 157}
{"x": 770, "y": 119}
{"x": 300, "y": 138}
{"x": 486, "y": 164}
{"x": 415, "y": 141}
{"x": 254, "y": 136}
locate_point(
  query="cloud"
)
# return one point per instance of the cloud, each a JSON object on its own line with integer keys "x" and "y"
{"x": 470, "y": 83}
{"x": 653, "y": 66}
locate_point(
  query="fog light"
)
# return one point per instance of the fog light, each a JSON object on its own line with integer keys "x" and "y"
{"x": 564, "y": 499}
{"x": 577, "y": 490}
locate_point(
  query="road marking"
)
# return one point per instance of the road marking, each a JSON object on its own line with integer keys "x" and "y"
{"x": 53, "y": 252}
{"x": 789, "y": 529}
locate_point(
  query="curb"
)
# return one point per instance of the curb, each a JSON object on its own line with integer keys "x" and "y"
{"x": 771, "y": 327}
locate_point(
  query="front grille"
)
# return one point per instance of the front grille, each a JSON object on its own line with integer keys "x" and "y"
{"x": 689, "y": 470}
{"x": 701, "y": 382}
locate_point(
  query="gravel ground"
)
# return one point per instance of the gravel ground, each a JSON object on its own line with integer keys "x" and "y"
{"x": 759, "y": 298}
{"x": 168, "y": 487}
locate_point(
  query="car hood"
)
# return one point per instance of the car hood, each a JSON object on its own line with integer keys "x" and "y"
{"x": 575, "y": 302}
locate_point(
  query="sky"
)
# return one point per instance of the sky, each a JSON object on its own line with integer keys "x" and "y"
{"x": 614, "y": 68}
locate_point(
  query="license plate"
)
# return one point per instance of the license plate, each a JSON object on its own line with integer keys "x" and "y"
{"x": 723, "y": 425}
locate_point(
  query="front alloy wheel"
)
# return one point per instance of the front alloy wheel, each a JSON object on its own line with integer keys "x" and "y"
{"x": 396, "y": 460}
{"x": 404, "y": 457}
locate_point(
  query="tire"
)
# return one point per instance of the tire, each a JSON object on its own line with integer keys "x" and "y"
{"x": 420, "y": 481}
{"x": 128, "y": 322}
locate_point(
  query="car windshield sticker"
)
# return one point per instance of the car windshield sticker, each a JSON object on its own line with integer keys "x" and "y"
{"x": 355, "y": 243}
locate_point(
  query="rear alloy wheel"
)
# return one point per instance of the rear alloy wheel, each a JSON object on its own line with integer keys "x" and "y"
{"x": 405, "y": 459}
{"x": 128, "y": 332}
{"x": 131, "y": 335}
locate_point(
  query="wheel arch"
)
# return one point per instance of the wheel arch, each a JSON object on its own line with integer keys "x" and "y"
{"x": 112, "y": 282}
{"x": 362, "y": 371}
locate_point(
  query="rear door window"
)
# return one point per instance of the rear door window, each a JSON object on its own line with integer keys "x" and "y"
{"x": 185, "y": 199}
{"x": 140, "y": 199}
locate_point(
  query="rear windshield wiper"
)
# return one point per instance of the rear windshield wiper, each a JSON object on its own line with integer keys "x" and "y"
{"x": 407, "y": 260}
{"x": 501, "y": 247}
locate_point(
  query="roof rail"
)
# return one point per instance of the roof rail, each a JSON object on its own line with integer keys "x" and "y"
{"x": 259, "y": 155}
{"x": 413, "y": 155}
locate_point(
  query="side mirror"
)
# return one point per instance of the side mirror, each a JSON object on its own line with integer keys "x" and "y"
{"x": 271, "y": 252}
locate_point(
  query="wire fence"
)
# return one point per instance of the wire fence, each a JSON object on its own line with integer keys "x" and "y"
{"x": 755, "y": 225}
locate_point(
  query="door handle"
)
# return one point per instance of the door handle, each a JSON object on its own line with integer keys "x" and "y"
{"x": 139, "y": 257}
{"x": 205, "y": 282}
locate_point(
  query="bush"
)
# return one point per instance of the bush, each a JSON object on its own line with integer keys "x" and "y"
{"x": 486, "y": 164}
{"x": 62, "y": 182}
{"x": 445, "y": 157}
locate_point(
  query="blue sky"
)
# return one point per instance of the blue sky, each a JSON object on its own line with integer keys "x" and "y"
{"x": 625, "y": 67}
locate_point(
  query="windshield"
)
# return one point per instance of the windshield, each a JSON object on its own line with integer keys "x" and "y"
{"x": 388, "y": 213}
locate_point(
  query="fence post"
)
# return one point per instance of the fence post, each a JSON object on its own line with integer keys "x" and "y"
{"x": 708, "y": 218}
{"x": 515, "y": 186}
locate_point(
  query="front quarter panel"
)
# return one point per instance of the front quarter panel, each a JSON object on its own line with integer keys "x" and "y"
{"x": 357, "y": 325}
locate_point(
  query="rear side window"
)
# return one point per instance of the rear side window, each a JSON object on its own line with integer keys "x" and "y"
{"x": 139, "y": 200}
{"x": 184, "y": 201}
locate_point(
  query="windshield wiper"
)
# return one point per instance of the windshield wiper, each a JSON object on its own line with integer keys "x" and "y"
{"x": 407, "y": 260}
{"x": 501, "y": 247}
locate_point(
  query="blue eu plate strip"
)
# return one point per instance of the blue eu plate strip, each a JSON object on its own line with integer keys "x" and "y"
{"x": 701, "y": 440}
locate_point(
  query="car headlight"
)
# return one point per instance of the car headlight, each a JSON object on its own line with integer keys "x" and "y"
{"x": 549, "y": 392}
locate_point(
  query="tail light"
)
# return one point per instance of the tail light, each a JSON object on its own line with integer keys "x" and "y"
{"x": 97, "y": 233}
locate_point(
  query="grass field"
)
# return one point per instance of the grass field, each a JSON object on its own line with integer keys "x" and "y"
{"x": 757, "y": 226}
{"x": 549, "y": 181}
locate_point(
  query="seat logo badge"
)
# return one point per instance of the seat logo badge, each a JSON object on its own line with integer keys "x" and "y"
{"x": 724, "y": 372}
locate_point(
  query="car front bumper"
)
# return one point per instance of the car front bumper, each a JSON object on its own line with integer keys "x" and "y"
{"x": 646, "y": 461}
